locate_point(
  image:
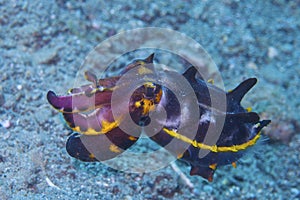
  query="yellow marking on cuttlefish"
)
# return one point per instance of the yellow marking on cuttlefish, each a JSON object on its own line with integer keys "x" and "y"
{"x": 132, "y": 138}
{"x": 76, "y": 129}
{"x": 213, "y": 148}
{"x": 146, "y": 104}
{"x": 92, "y": 92}
{"x": 213, "y": 166}
{"x": 70, "y": 91}
{"x": 179, "y": 156}
{"x": 158, "y": 96}
{"x": 249, "y": 109}
{"x": 106, "y": 127}
{"x": 149, "y": 85}
{"x": 144, "y": 70}
{"x": 140, "y": 62}
{"x": 92, "y": 156}
{"x": 137, "y": 104}
{"x": 114, "y": 148}
{"x": 74, "y": 110}
{"x": 89, "y": 131}
{"x": 211, "y": 81}
{"x": 233, "y": 164}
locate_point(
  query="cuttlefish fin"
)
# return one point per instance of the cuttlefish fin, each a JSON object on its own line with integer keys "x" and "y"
{"x": 239, "y": 92}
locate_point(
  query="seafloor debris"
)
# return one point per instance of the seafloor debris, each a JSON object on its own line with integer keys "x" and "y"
{"x": 282, "y": 131}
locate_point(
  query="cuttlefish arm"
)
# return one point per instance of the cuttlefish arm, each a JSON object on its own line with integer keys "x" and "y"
{"x": 84, "y": 98}
{"x": 75, "y": 103}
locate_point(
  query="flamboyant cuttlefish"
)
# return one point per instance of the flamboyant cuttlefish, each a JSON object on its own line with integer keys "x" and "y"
{"x": 88, "y": 112}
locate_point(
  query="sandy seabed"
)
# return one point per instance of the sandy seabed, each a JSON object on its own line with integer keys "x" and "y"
{"x": 43, "y": 43}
